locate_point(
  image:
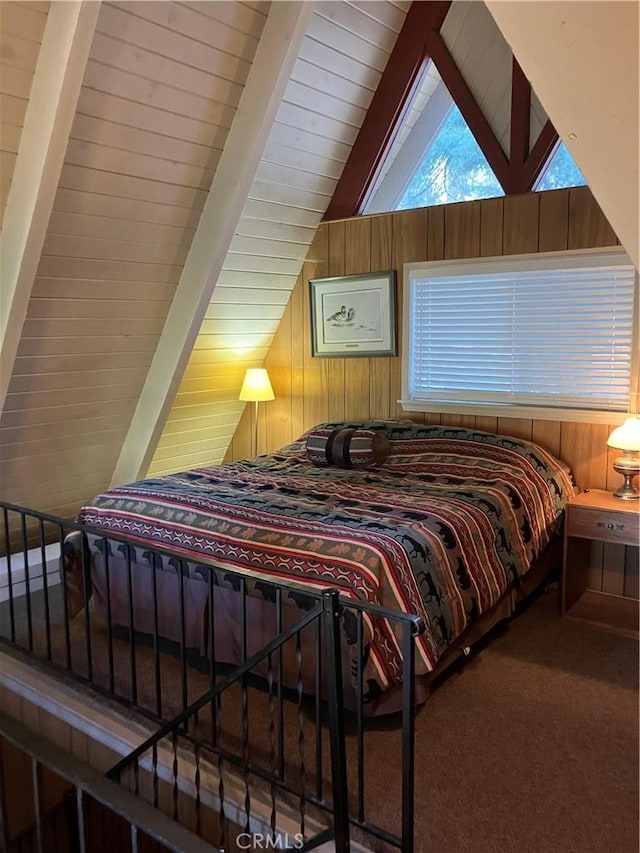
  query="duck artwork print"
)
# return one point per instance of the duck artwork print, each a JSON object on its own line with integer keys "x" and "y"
{"x": 343, "y": 316}
{"x": 355, "y": 319}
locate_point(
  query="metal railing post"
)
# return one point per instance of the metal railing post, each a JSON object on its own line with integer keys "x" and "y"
{"x": 3, "y": 833}
{"x": 331, "y": 613}
{"x": 408, "y": 735}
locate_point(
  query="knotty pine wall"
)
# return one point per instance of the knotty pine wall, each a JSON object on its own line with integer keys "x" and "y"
{"x": 311, "y": 390}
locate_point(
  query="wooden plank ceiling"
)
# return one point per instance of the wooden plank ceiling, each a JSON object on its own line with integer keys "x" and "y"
{"x": 159, "y": 96}
{"x": 101, "y": 391}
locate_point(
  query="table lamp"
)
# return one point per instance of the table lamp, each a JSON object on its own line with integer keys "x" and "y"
{"x": 256, "y": 388}
{"x": 627, "y": 439}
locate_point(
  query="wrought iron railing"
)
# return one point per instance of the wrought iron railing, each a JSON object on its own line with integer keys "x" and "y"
{"x": 76, "y": 796}
{"x": 266, "y": 730}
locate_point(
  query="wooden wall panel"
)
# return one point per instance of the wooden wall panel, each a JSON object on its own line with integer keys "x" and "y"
{"x": 314, "y": 376}
{"x": 280, "y": 365}
{"x": 546, "y": 433}
{"x": 519, "y": 224}
{"x": 298, "y": 317}
{"x": 588, "y": 225}
{"x": 380, "y": 368}
{"x": 357, "y": 371}
{"x": 491, "y": 227}
{"x": 553, "y": 234}
{"x": 435, "y": 233}
{"x": 520, "y": 232}
{"x": 334, "y": 367}
{"x": 462, "y": 231}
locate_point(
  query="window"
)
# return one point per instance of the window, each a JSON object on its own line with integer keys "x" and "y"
{"x": 453, "y": 169}
{"x": 434, "y": 158}
{"x": 527, "y": 336}
{"x": 560, "y": 171}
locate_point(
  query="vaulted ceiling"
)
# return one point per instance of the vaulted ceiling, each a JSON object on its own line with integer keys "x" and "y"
{"x": 164, "y": 168}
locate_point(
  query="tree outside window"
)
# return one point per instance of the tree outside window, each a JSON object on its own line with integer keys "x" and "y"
{"x": 455, "y": 169}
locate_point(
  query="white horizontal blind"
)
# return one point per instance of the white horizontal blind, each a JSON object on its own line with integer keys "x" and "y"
{"x": 545, "y": 331}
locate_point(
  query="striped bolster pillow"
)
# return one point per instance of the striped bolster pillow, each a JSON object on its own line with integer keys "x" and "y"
{"x": 347, "y": 447}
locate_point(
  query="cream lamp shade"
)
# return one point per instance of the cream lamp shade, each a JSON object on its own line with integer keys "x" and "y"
{"x": 256, "y": 387}
{"x": 627, "y": 439}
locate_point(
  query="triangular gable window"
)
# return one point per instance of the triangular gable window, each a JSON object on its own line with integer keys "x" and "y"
{"x": 560, "y": 172}
{"x": 453, "y": 169}
{"x": 435, "y": 159}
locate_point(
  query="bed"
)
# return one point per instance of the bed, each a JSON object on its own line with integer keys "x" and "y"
{"x": 447, "y": 523}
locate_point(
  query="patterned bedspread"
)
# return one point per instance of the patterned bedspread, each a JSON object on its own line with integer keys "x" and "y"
{"x": 441, "y": 529}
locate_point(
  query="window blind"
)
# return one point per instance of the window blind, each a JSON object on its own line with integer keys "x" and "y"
{"x": 541, "y": 331}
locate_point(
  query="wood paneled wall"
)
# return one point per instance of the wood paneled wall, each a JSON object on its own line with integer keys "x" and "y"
{"x": 311, "y": 390}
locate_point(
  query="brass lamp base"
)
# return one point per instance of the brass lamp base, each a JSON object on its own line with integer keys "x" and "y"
{"x": 628, "y": 468}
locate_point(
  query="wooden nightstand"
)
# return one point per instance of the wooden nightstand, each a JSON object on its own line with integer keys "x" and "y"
{"x": 598, "y": 516}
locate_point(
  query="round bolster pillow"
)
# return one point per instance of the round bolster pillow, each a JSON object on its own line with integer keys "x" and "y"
{"x": 347, "y": 447}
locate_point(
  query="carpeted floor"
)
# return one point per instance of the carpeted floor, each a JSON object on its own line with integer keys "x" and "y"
{"x": 534, "y": 746}
{"x": 530, "y": 747}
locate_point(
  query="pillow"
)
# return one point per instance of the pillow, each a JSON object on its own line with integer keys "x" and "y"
{"x": 347, "y": 447}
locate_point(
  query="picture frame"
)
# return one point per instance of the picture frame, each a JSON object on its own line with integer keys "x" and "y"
{"x": 354, "y": 315}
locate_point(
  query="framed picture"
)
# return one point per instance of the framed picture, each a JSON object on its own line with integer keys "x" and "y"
{"x": 354, "y": 315}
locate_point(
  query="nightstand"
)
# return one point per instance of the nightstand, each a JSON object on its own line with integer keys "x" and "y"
{"x": 598, "y": 516}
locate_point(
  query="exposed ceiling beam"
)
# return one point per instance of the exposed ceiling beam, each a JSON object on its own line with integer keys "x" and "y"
{"x": 282, "y": 37}
{"x": 52, "y": 104}
{"x": 519, "y": 172}
{"x": 468, "y": 106}
{"x": 520, "y": 116}
{"x": 526, "y": 165}
{"x": 538, "y": 158}
{"x": 387, "y": 107}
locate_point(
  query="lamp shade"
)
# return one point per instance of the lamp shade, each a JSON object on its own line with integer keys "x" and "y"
{"x": 256, "y": 387}
{"x": 627, "y": 436}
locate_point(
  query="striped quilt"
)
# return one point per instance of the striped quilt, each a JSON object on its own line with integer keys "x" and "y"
{"x": 442, "y": 528}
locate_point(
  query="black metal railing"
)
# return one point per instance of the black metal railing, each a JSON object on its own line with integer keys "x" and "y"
{"x": 183, "y": 730}
{"x": 258, "y": 712}
{"x": 53, "y": 801}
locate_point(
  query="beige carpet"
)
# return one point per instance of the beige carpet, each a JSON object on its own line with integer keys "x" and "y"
{"x": 533, "y": 747}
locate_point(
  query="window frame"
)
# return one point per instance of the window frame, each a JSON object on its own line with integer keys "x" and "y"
{"x": 547, "y": 260}
{"x": 387, "y": 192}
